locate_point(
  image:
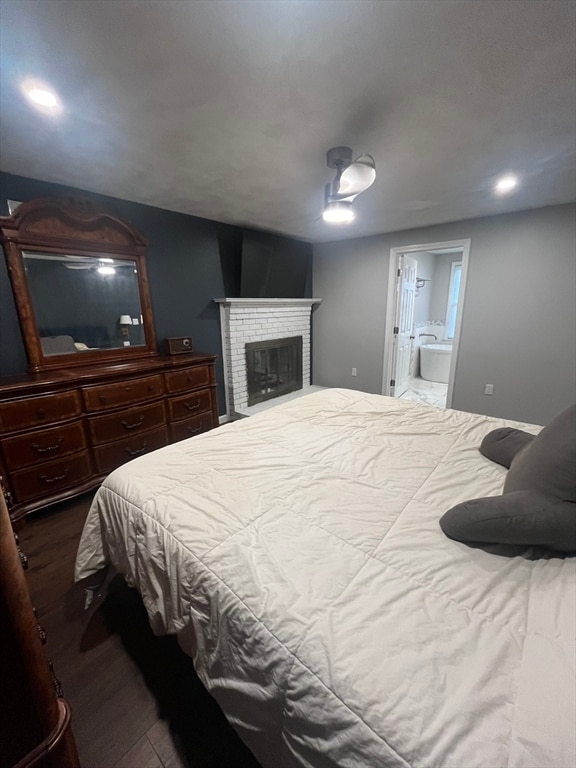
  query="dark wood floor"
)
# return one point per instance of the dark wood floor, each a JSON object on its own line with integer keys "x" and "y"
{"x": 136, "y": 700}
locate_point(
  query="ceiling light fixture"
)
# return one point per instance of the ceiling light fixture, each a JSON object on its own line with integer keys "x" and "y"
{"x": 352, "y": 178}
{"x": 506, "y": 184}
{"x": 42, "y": 97}
{"x": 106, "y": 270}
{"x": 338, "y": 213}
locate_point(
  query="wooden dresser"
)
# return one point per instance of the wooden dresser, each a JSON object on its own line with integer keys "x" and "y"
{"x": 62, "y": 432}
{"x": 34, "y": 718}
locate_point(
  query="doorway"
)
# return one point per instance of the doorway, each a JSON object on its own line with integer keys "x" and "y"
{"x": 426, "y": 290}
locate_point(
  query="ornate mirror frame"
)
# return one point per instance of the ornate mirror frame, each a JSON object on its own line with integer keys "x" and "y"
{"x": 72, "y": 226}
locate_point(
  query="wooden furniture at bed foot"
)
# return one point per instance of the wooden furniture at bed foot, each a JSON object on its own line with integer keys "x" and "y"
{"x": 34, "y": 719}
{"x": 62, "y": 433}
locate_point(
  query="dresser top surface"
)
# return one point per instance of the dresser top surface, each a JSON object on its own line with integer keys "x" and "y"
{"x": 53, "y": 381}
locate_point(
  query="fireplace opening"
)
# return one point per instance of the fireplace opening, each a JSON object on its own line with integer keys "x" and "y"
{"x": 273, "y": 367}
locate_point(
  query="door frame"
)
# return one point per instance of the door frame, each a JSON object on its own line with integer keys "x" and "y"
{"x": 401, "y": 264}
{"x": 392, "y": 304}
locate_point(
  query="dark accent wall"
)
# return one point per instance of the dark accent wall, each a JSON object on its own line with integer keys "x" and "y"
{"x": 190, "y": 262}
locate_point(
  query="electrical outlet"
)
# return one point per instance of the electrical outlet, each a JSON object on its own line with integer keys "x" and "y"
{"x": 354, "y": 371}
{"x": 489, "y": 389}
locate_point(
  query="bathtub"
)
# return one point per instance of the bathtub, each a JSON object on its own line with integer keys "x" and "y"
{"x": 435, "y": 362}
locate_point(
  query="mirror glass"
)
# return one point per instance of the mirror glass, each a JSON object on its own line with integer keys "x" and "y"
{"x": 84, "y": 302}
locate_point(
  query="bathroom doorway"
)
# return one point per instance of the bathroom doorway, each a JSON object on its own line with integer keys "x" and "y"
{"x": 426, "y": 289}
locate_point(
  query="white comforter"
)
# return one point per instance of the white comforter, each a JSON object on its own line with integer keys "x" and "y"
{"x": 298, "y": 556}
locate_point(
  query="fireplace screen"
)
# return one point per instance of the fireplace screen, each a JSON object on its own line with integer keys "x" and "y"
{"x": 273, "y": 367}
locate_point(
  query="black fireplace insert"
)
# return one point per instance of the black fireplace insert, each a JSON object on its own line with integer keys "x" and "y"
{"x": 274, "y": 368}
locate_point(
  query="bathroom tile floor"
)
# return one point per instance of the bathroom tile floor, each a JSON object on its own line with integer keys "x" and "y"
{"x": 427, "y": 392}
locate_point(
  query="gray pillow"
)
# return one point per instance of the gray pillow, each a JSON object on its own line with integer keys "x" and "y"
{"x": 538, "y": 505}
{"x": 547, "y": 465}
{"x": 502, "y": 445}
{"x": 520, "y": 517}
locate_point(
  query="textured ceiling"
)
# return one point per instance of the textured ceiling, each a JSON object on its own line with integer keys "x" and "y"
{"x": 226, "y": 109}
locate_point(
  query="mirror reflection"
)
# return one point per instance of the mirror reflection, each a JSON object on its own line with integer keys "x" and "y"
{"x": 84, "y": 302}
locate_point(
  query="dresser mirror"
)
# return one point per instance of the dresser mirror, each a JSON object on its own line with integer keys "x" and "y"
{"x": 80, "y": 285}
{"x": 98, "y": 304}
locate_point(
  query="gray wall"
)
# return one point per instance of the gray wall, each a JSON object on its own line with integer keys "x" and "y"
{"x": 351, "y": 278}
{"x": 519, "y": 316}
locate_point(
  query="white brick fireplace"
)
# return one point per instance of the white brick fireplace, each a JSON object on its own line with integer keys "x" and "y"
{"x": 248, "y": 320}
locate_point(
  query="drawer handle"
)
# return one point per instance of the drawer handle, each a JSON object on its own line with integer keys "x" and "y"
{"x": 127, "y": 389}
{"x": 40, "y": 628}
{"x": 56, "y": 478}
{"x": 150, "y": 388}
{"x": 194, "y": 431}
{"x": 138, "y": 451}
{"x": 48, "y": 447}
{"x": 102, "y": 398}
{"x": 6, "y": 493}
{"x": 133, "y": 426}
{"x": 42, "y": 633}
{"x": 23, "y": 559}
{"x": 55, "y": 682}
{"x": 41, "y": 413}
{"x": 193, "y": 407}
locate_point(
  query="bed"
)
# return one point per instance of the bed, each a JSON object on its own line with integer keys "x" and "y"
{"x": 298, "y": 557}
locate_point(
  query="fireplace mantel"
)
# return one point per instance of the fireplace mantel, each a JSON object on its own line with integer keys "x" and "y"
{"x": 267, "y": 302}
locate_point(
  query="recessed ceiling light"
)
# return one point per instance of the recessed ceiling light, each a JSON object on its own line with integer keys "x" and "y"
{"x": 506, "y": 184}
{"x": 42, "y": 97}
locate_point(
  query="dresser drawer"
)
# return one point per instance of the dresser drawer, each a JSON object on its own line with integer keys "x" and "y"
{"x": 189, "y": 405}
{"x": 112, "y": 426}
{"x": 189, "y": 378}
{"x": 104, "y": 396}
{"x": 35, "y": 411}
{"x": 108, "y": 457}
{"x": 182, "y": 430}
{"x": 43, "y": 445}
{"x": 50, "y": 477}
